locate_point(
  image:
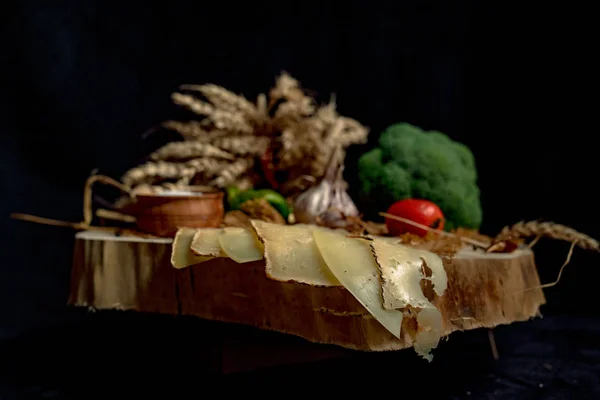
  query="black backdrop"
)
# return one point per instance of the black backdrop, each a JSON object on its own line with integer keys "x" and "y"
{"x": 83, "y": 80}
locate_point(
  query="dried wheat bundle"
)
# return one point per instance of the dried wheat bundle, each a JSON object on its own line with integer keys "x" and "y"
{"x": 535, "y": 229}
{"x": 307, "y": 145}
{"x": 229, "y": 134}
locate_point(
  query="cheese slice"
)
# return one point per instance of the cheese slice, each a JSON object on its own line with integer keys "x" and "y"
{"x": 291, "y": 254}
{"x": 401, "y": 270}
{"x": 438, "y": 278}
{"x": 429, "y": 331}
{"x": 241, "y": 245}
{"x": 181, "y": 255}
{"x": 353, "y": 264}
{"x": 206, "y": 242}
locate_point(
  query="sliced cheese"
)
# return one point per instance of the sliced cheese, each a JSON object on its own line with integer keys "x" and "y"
{"x": 181, "y": 255}
{"x": 401, "y": 270}
{"x": 206, "y": 242}
{"x": 353, "y": 264}
{"x": 291, "y": 254}
{"x": 438, "y": 276}
{"x": 429, "y": 332}
{"x": 241, "y": 245}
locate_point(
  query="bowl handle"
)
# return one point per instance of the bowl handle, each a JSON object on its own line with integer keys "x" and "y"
{"x": 87, "y": 194}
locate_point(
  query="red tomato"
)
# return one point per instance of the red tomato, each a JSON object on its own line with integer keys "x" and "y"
{"x": 423, "y": 212}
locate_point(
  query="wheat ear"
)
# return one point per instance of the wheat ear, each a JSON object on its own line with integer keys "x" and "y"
{"x": 243, "y": 145}
{"x": 224, "y": 99}
{"x": 551, "y": 230}
{"x": 188, "y": 150}
{"x": 191, "y": 130}
{"x": 156, "y": 170}
{"x": 221, "y": 119}
{"x": 232, "y": 172}
{"x": 536, "y": 229}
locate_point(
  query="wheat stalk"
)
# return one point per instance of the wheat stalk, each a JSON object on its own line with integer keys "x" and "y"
{"x": 208, "y": 167}
{"x": 156, "y": 170}
{"x": 353, "y": 132}
{"x": 188, "y": 150}
{"x": 232, "y": 172}
{"x": 468, "y": 240}
{"x": 193, "y": 104}
{"x": 286, "y": 88}
{"x": 328, "y": 114}
{"x": 244, "y": 183}
{"x": 224, "y": 99}
{"x": 182, "y": 172}
{"x": 194, "y": 130}
{"x": 243, "y": 145}
{"x": 524, "y": 230}
{"x": 262, "y": 112}
{"x": 536, "y": 229}
{"x": 294, "y": 110}
{"x": 221, "y": 119}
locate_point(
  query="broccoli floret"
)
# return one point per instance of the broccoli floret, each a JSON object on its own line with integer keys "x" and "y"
{"x": 412, "y": 163}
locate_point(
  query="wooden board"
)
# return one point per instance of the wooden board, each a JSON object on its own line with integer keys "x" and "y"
{"x": 110, "y": 272}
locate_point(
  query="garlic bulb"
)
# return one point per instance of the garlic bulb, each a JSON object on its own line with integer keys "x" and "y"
{"x": 313, "y": 202}
{"x": 328, "y": 201}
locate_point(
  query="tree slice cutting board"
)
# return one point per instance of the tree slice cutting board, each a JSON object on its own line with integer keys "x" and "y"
{"x": 127, "y": 273}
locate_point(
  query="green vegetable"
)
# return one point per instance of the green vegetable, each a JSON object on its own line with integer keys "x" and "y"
{"x": 411, "y": 163}
{"x": 236, "y": 198}
{"x": 232, "y": 194}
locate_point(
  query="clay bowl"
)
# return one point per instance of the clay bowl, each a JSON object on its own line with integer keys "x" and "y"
{"x": 161, "y": 214}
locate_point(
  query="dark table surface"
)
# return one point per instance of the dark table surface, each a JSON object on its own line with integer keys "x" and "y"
{"x": 120, "y": 354}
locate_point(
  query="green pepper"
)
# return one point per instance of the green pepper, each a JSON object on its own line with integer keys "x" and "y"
{"x": 236, "y": 198}
{"x": 233, "y": 193}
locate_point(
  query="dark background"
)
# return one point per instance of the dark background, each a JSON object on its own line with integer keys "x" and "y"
{"x": 81, "y": 82}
